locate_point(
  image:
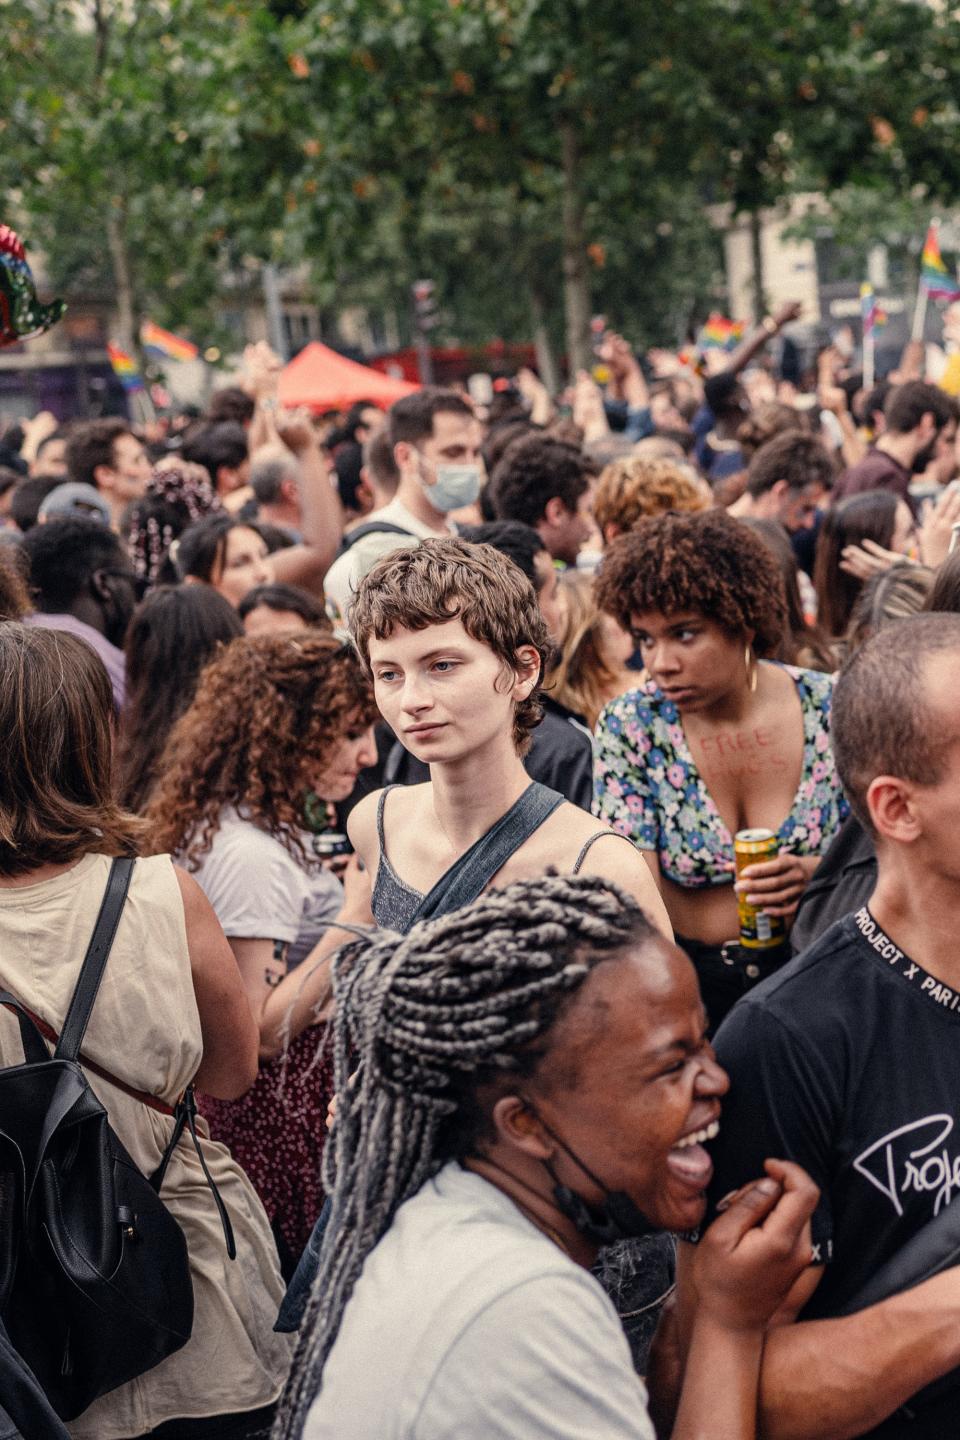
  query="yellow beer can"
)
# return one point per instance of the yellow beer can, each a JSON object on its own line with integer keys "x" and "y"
{"x": 758, "y": 930}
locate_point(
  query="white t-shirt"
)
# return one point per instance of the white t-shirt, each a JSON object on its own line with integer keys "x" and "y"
{"x": 258, "y": 890}
{"x": 345, "y": 574}
{"x": 468, "y": 1323}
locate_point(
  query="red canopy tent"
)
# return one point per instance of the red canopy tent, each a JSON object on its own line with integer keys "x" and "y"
{"x": 324, "y": 380}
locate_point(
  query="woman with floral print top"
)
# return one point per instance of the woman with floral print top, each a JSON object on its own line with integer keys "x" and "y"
{"x": 715, "y": 739}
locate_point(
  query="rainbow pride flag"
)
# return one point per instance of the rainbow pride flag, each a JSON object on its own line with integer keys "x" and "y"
{"x": 164, "y": 345}
{"x": 871, "y": 311}
{"x": 934, "y": 275}
{"x": 125, "y": 368}
{"x": 719, "y": 333}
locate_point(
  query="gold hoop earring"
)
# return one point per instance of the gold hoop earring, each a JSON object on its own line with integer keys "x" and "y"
{"x": 751, "y": 663}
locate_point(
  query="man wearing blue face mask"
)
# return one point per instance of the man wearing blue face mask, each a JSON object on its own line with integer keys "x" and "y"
{"x": 435, "y": 439}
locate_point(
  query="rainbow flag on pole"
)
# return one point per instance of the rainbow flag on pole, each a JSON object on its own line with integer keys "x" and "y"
{"x": 934, "y": 275}
{"x": 872, "y": 313}
{"x": 719, "y": 333}
{"x": 125, "y": 368}
{"x": 163, "y": 345}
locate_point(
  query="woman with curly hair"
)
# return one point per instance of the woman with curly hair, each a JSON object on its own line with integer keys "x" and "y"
{"x": 274, "y": 718}
{"x": 717, "y": 739}
{"x": 637, "y": 485}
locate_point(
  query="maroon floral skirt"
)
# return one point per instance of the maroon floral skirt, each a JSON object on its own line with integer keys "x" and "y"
{"x": 276, "y": 1132}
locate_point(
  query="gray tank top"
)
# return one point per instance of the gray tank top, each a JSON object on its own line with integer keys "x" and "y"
{"x": 395, "y": 903}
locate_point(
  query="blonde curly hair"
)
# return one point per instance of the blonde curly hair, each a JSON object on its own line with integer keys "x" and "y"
{"x": 636, "y": 486}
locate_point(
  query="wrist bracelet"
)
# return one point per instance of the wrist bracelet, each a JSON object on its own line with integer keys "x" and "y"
{"x": 769, "y": 324}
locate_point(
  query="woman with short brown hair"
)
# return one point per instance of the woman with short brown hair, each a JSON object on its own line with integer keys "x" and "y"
{"x": 455, "y": 642}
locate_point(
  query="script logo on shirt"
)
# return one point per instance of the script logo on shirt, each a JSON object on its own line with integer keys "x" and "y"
{"x": 913, "y": 1160}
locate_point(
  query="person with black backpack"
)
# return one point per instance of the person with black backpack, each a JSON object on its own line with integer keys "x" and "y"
{"x": 138, "y": 1276}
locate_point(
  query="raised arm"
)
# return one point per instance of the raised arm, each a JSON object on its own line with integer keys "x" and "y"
{"x": 322, "y": 522}
{"x": 746, "y": 1265}
{"x": 770, "y": 326}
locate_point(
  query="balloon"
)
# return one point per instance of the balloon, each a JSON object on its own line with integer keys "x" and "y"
{"x": 21, "y": 313}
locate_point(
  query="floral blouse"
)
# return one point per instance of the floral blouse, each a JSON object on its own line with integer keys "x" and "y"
{"x": 647, "y": 786}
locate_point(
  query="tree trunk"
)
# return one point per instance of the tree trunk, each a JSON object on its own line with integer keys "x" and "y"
{"x": 127, "y": 324}
{"x": 756, "y": 257}
{"x": 576, "y": 280}
{"x": 123, "y": 281}
{"x": 546, "y": 361}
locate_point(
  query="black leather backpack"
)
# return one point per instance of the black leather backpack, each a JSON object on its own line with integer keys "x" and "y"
{"x": 95, "y": 1284}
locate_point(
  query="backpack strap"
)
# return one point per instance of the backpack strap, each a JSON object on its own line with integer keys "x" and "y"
{"x": 371, "y": 527}
{"x": 186, "y": 1119}
{"x": 31, "y": 1037}
{"x": 95, "y": 960}
{"x": 469, "y": 876}
{"x": 34, "y": 1057}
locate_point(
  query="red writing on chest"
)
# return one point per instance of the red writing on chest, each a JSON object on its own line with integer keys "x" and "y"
{"x": 734, "y": 754}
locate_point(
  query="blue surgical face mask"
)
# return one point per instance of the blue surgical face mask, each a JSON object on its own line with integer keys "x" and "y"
{"x": 454, "y": 486}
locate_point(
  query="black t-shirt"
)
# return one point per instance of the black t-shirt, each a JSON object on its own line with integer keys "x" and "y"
{"x": 847, "y": 1061}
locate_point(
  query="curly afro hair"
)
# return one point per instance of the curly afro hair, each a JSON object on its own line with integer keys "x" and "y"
{"x": 709, "y": 564}
{"x": 268, "y": 714}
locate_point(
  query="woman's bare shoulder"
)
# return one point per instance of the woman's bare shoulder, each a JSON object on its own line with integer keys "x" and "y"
{"x": 403, "y": 803}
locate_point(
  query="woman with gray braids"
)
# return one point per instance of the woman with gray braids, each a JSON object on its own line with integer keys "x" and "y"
{"x": 533, "y": 1080}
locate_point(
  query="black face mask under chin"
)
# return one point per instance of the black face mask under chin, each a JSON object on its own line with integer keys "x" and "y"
{"x": 615, "y": 1218}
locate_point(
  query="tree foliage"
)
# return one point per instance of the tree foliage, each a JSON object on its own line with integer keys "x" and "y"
{"x": 529, "y": 155}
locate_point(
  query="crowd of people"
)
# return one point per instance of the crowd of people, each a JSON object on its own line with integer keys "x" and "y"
{"x": 430, "y": 733}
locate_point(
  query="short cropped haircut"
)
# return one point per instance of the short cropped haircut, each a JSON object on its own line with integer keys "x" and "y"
{"x": 28, "y": 495}
{"x": 214, "y": 445}
{"x": 881, "y": 722}
{"x": 801, "y": 460}
{"x": 411, "y": 417}
{"x": 907, "y": 404}
{"x": 535, "y": 470}
{"x": 520, "y": 543}
{"x": 764, "y": 422}
{"x": 91, "y": 444}
{"x": 378, "y": 460}
{"x": 267, "y": 475}
{"x": 230, "y": 403}
{"x": 636, "y": 486}
{"x": 708, "y": 564}
{"x": 445, "y": 580}
{"x": 64, "y": 555}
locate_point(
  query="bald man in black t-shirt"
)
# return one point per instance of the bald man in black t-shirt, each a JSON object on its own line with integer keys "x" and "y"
{"x": 848, "y": 1062}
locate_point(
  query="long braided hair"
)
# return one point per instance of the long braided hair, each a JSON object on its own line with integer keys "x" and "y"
{"x": 432, "y": 1017}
